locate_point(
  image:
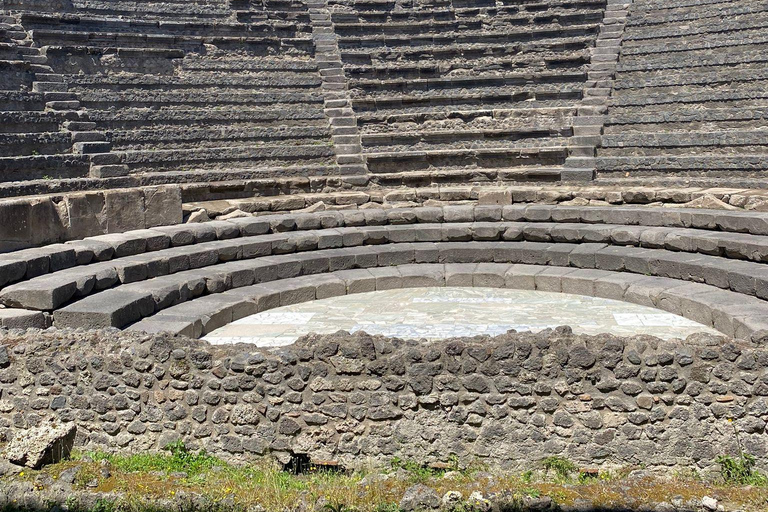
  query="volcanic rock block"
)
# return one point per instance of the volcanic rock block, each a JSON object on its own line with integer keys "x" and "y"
{"x": 38, "y": 446}
{"x": 21, "y": 318}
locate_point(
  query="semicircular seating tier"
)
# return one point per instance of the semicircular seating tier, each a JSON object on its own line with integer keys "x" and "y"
{"x": 689, "y": 93}
{"x": 347, "y": 144}
{"x": 706, "y": 265}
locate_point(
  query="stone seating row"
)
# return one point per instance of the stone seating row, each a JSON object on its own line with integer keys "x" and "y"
{"x": 441, "y": 104}
{"x": 84, "y": 20}
{"x": 463, "y": 21}
{"x": 140, "y": 40}
{"x": 166, "y": 10}
{"x": 364, "y": 68}
{"x": 726, "y": 311}
{"x": 428, "y": 54}
{"x": 449, "y": 57}
{"x": 656, "y": 251}
{"x": 681, "y": 64}
{"x": 403, "y": 161}
{"x": 735, "y": 234}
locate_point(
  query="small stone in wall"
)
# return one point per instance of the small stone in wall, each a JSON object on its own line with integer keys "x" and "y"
{"x": 38, "y": 446}
{"x": 5, "y": 361}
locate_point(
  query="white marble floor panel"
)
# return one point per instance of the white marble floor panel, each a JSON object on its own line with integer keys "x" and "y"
{"x": 436, "y": 313}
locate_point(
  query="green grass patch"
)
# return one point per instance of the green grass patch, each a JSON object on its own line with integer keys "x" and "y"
{"x": 180, "y": 460}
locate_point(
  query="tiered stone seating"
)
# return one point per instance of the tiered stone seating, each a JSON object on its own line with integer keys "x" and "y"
{"x": 456, "y": 86}
{"x": 706, "y": 265}
{"x": 193, "y": 85}
{"x": 187, "y": 10}
{"x": 35, "y": 113}
{"x": 689, "y": 96}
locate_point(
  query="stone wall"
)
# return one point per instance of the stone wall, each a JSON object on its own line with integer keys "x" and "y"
{"x": 57, "y": 218}
{"x": 358, "y": 399}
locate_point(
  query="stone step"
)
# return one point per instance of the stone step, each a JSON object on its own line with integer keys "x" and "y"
{"x": 678, "y": 163}
{"x": 87, "y": 148}
{"x": 663, "y": 248}
{"x": 87, "y": 136}
{"x": 75, "y": 126}
{"x": 109, "y": 171}
{"x": 48, "y": 78}
{"x": 712, "y": 307}
{"x": 49, "y": 87}
{"x": 395, "y": 162}
{"x": 63, "y": 105}
{"x": 124, "y": 305}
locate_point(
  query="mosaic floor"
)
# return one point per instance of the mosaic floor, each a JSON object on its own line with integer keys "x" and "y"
{"x": 435, "y": 313}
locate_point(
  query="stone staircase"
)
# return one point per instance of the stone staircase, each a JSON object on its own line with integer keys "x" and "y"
{"x": 76, "y": 134}
{"x": 588, "y": 123}
{"x": 689, "y": 94}
{"x": 338, "y": 104}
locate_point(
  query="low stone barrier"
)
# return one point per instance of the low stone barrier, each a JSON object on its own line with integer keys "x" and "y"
{"x": 358, "y": 399}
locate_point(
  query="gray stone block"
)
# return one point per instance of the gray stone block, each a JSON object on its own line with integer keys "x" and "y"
{"x": 22, "y": 319}
{"x": 45, "y": 293}
{"x": 124, "y": 244}
{"x": 423, "y": 275}
{"x": 522, "y": 277}
{"x": 12, "y": 269}
{"x": 112, "y": 308}
{"x": 329, "y": 286}
{"x": 251, "y": 226}
{"x": 550, "y": 278}
{"x": 179, "y": 235}
{"x": 297, "y": 290}
{"x": 387, "y": 278}
{"x": 400, "y": 254}
{"x": 490, "y": 275}
{"x": 358, "y": 280}
{"x": 459, "y": 274}
{"x": 157, "y": 325}
{"x": 90, "y": 250}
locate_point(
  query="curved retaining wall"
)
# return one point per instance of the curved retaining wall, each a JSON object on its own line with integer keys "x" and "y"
{"x": 359, "y": 399}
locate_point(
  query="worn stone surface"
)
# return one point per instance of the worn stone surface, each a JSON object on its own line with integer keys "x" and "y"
{"x": 48, "y": 443}
{"x": 602, "y": 400}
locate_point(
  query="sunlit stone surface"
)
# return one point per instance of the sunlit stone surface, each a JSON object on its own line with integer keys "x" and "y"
{"x": 435, "y": 313}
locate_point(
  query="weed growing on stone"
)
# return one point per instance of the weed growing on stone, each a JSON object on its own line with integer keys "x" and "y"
{"x": 740, "y": 470}
{"x": 561, "y": 466}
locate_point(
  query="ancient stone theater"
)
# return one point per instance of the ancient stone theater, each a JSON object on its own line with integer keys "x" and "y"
{"x": 352, "y": 230}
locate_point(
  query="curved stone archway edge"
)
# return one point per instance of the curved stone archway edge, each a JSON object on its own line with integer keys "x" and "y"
{"x": 725, "y": 311}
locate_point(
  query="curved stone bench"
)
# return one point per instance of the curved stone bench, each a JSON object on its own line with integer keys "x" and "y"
{"x": 31, "y": 263}
{"x": 120, "y": 306}
{"x": 51, "y": 291}
{"x": 727, "y": 312}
